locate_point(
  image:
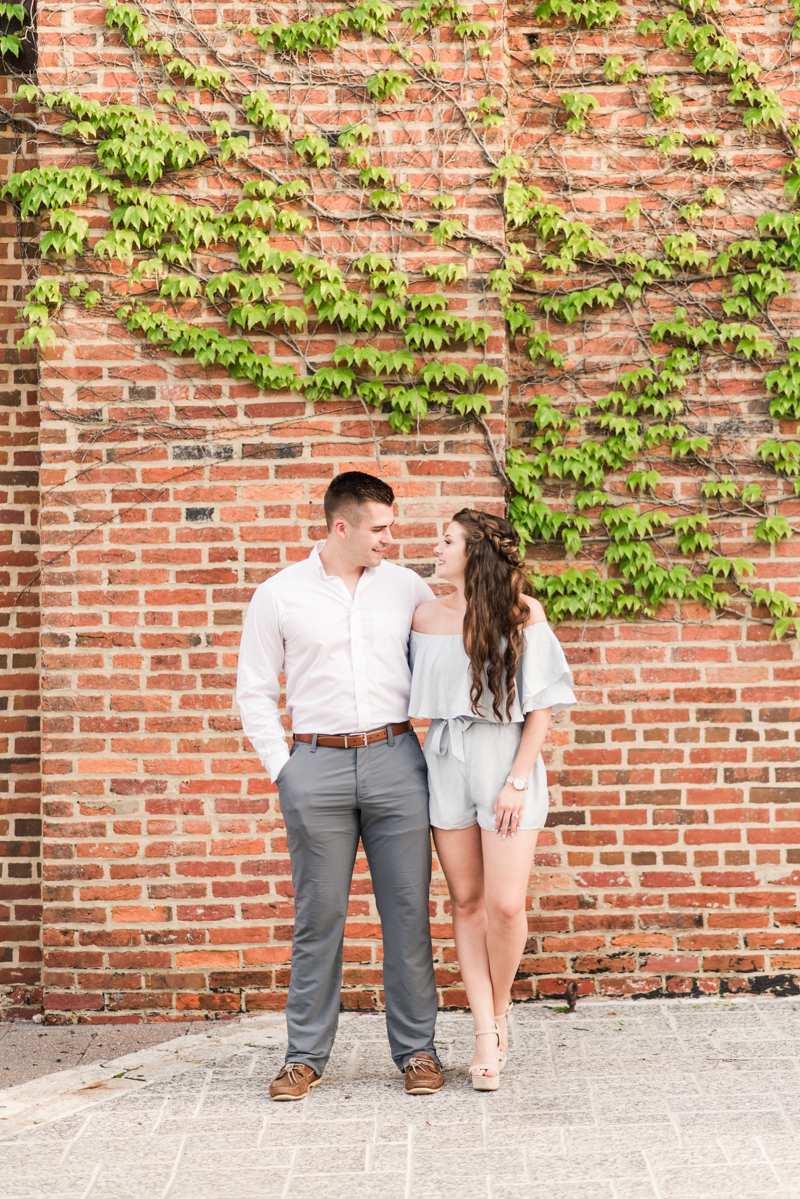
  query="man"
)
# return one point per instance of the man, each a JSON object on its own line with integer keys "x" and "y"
{"x": 338, "y": 625}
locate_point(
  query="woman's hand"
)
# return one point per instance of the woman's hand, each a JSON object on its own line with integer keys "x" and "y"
{"x": 508, "y": 808}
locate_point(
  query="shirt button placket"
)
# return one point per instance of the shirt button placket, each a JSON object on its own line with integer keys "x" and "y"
{"x": 359, "y": 665}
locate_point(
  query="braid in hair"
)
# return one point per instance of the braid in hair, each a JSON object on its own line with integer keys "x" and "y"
{"x": 496, "y": 613}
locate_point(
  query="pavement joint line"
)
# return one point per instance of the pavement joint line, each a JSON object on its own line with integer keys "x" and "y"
{"x": 352, "y": 1064}
{"x": 175, "y": 1167}
{"x": 162, "y": 1111}
{"x": 782, "y": 1108}
{"x": 409, "y": 1162}
{"x": 768, "y": 1160}
{"x": 594, "y": 1105}
{"x": 96, "y": 1172}
{"x": 287, "y": 1184}
{"x": 676, "y": 1124}
{"x": 75, "y": 1139}
{"x": 201, "y": 1099}
{"x": 653, "y": 1177}
{"x": 551, "y": 1052}
{"x": 264, "y": 1126}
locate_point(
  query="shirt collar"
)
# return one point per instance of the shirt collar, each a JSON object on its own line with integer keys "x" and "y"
{"x": 315, "y": 562}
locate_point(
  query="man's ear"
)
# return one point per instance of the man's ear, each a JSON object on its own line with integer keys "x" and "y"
{"x": 340, "y": 527}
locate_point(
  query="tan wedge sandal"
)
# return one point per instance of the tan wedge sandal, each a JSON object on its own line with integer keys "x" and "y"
{"x": 502, "y": 1054}
{"x": 485, "y": 1082}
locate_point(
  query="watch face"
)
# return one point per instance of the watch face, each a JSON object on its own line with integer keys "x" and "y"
{"x": 519, "y": 784}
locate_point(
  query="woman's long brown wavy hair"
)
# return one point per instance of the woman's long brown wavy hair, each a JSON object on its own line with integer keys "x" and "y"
{"x": 496, "y": 612}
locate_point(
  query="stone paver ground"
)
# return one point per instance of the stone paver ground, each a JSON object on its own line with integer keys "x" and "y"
{"x": 30, "y": 1050}
{"x": 628, "y": 1100}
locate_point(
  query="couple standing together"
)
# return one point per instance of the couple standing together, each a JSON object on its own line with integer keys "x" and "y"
{"x": 363, "y": 644}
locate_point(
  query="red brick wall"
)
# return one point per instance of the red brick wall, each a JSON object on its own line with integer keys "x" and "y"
{"x": 170, "y": 492}
{"x": 20, "y": 800}
{"x": 671, "y": 862}
{"x": 166, "y": 874}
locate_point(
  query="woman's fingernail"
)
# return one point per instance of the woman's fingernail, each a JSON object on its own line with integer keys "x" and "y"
{"x": 504, "y": 836}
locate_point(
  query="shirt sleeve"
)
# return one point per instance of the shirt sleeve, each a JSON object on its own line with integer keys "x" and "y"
{"x": 258, "y": 688}
{"x": 546, "y": 677}
{"x": 422, "y": 592}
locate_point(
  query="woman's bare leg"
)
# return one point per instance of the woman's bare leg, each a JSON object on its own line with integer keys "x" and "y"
{"x": 461, "y": 858}
{"x": 506, "y": 871}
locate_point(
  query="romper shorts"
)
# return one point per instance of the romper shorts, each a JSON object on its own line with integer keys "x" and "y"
{"x": 468, "y": 763}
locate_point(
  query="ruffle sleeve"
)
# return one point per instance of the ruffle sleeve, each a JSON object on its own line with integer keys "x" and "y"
{"x": 546, "y": 680}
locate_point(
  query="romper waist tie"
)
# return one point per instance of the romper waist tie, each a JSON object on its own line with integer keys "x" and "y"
{"x": 448, "y": 734}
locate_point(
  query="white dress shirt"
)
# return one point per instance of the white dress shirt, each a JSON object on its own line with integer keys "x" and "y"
{"x": 345, "y": 657}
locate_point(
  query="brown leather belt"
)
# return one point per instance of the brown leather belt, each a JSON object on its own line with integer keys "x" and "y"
{"x": 354, "y": 740}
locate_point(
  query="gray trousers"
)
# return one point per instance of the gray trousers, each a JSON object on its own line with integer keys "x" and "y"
{"x": 329, "y": 798}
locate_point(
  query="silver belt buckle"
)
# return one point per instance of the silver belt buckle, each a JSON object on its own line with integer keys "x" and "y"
{"x": 354, "y": 736}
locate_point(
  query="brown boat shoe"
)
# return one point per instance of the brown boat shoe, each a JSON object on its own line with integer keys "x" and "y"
{"x": 424, "y": 1076}
{"x": 293, "y": 1081}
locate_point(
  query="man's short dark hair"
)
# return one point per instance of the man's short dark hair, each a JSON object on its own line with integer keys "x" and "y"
{"x": 352, "y": 488}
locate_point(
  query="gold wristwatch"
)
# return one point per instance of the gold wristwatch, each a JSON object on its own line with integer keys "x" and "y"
{"x": 519, "y": 784}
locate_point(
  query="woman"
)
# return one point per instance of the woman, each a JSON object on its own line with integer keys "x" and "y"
{"x": 487, "y": 672}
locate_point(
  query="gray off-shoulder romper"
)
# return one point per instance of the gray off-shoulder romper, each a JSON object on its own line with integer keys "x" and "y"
{"x": 469, "y": 755}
